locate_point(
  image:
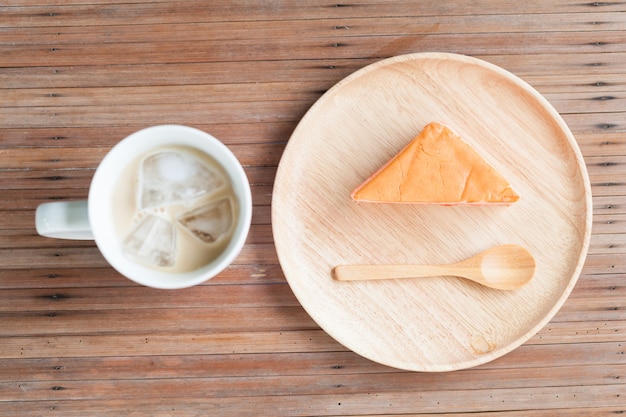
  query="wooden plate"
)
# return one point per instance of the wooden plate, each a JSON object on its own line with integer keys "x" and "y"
{"x": 439, "y": 323}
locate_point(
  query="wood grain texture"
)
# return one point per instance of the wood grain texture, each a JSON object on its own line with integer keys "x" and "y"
{"x": 77, "y": 339}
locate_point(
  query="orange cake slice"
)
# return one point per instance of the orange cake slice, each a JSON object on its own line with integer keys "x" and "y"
{"x": 437, "y": 167}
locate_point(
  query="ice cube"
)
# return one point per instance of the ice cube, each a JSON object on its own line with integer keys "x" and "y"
{"x": 171, "y": 177}
{"x": 153, "y": 241}
{"x": 209, "y": 222}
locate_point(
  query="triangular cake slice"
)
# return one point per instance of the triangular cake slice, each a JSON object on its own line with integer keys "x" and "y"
{"x": 437, "y": 167}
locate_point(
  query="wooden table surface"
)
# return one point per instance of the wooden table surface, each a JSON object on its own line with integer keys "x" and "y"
{"x": 78, "y": 339}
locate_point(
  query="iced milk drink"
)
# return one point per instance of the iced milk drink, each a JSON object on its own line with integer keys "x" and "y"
{"x": 174, "y": 209}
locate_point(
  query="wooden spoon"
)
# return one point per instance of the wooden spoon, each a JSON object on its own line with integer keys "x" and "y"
{"x": 506, "y": 267}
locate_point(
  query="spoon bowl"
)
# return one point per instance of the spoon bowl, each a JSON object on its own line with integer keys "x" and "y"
{"x": 506, "y": 267}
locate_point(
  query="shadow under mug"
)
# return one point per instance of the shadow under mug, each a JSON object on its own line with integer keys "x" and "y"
{"x": 93, "y": 219}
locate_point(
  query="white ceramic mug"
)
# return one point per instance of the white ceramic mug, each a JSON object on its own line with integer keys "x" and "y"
{"x": 94, "y": 217}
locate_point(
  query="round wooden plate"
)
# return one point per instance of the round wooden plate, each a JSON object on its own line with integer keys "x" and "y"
{"x": 438, "y": 323}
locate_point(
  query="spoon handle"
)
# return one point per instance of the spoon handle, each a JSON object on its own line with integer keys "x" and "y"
{"x": 370, "y": 272}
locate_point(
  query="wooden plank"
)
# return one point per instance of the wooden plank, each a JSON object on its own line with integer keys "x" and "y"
{"x": 271, "y": 342}
{"x": 254, "y": 386}
{"x": 577, "y": 323}
{"x": 47, "y": 137}
{"x": 183, "y": 73}
{"x": 598, "y": 285}
{"x": 214, "y": 296}
{"x": 84, "y": 30}
{"x": 550, "y": 398}
{"x": 607, "y": 187}
{"x": 576, "y": 333}
{"x": 604, "y": 264}
{"x": 162, "y": 113}
{"x": 608, "y": 223}
{"x": 259, "y": 50}
{"x": 597, "y": 144}
{"x": 64, "y": 276}
{"x": 89, "y": 158}
{"x": 191, "y": 366}
{"x": 327, "y": 364}
{"x": 606, "y": 174}
{"x": 573, "y": 102}
{"x": 44, "y": 13}
{"x": 606, "y": 165}
{"x": 609, "y": 205}
{"x": 168, "y": 344}
{"x": 595, "y": 122}
{"x": 605, "y": 77}
{"x": 595, "y": 309}
{"x": 149, "y": 95}
{"x": 170, "y": 319}
{"x": 569, "y": 412}
{"x": 614, "y": 243}
{"x": 593, "y": 64}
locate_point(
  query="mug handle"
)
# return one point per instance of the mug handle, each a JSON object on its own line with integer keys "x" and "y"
{"x": 64, "y": 220}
